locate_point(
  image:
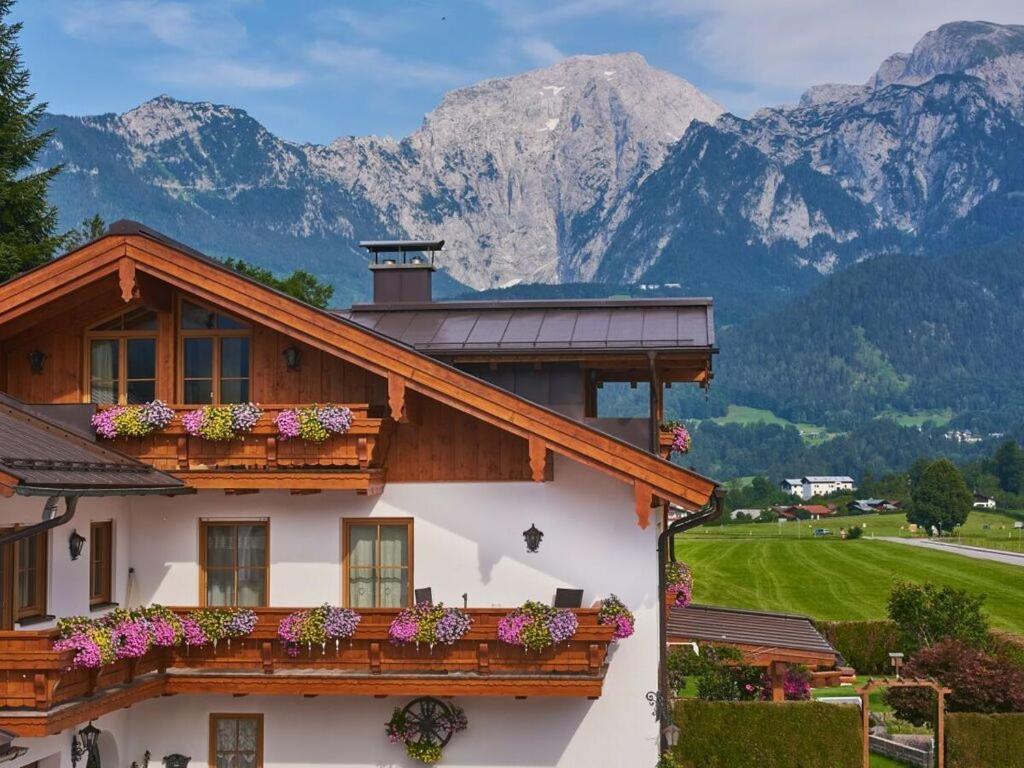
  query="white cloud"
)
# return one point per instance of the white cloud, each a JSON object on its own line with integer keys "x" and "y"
{"x": 540, "y": 52}
{"x": 371, "y": 63}
{"x": 225, "y": 73}
{"x": 172, "y": 23}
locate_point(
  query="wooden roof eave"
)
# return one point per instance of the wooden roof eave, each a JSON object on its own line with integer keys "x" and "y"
{"x": 348, "y": 340}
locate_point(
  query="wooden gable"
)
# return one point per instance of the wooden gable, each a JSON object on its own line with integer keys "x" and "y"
{"x": 140, "y": 269}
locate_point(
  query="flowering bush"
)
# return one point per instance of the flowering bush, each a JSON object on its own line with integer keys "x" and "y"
{"x": 132, "y": 420}
{"x": 535, "y": 626}
{"x": 613, "y": 611}
{"x": 681, "y": 439}
{"x": 679, "y": 583}
{"x": 314, "y": 424}
{"x": 317, "y": 625}
{"x": 220, "y": 423}
{"x": 429, "y": 624}
{"x": 130, "y": 634}
{"x": 448, "y": 721}
{"x": 796, "y": 684}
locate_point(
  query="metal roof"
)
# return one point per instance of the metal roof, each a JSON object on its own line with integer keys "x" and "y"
{"x": 401, "y": 246}
{"x": 733, "y": 625}
{"x": 47, "y": 458}
{"x": 543, "y": 326}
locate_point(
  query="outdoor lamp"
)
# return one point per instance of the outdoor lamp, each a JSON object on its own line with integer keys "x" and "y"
{"x": 75, "y": 543}
{"x": 897, "y": 661}
{"x": 292, "y": 357}
{"x": 177, "y": 760}
{"x": 36, "y": 358}
{"x": 532, "y": 537}
{"x": 671, "y": 734}
{"x": 85, "y": 744}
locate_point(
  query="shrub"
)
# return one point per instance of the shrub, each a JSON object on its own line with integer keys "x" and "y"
{"x": 730, "y": 734}
{"x": 980, "y": 682}
{"x": 855, "y": 532}
{"x": 926, "y": 614}
{"x": 984, "y": 741}
{"x": 864, "y": 645}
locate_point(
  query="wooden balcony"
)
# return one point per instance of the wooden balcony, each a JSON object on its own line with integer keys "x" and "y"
{"x": 40, "y": 694}
{"x": 352, "y": 461}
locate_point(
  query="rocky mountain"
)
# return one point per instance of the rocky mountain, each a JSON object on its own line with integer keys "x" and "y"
{"x": 920, "y": 159}
{"x": 524, "y": 177}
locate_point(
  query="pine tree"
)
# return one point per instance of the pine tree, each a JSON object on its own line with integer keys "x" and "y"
{"x": 28, "y": 223}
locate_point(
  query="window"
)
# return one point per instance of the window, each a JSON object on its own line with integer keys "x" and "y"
{"x": 236, "y": 741}
{"x": 378, "y": 563}
{"x": 101, "y": 562}
{"x": 122, "y": 358}
{"x": 234, "y": 563}
{"x": 215, "y": 357}
{"x": 23, "y": 568}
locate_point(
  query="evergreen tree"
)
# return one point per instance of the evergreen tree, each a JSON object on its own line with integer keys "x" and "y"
{"x": 301, "y": 284}
{"x": 1008, "y": 466}
{"x": 86, "y": 232}
{"x": 28, "y": 223}
{"x": 940, "y": 497}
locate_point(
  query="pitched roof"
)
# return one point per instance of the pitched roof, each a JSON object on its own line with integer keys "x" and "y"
{"x": 39, "y": 456}
{"x": 601, "y": 325}
{"x": 732, "y": 625}
{"x": 138, "y": 249}
{"x": 828, "y": 479}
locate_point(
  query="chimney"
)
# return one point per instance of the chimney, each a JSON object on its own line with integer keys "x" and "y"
{"x": 402, "y": 269}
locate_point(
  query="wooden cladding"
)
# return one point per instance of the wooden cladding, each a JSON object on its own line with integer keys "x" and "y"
{"x": 35, "y": 677}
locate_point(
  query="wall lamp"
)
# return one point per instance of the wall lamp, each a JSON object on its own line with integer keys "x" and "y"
{"x": 292, "y": 357}
{"x": 532, "y": 537}
{"x": 84, "y": 744}
{"x": 75, "y": 543}
{"x": 36, "y": 358}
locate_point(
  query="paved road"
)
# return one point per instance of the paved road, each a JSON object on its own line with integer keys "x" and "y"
{"x": 978, "y": 553}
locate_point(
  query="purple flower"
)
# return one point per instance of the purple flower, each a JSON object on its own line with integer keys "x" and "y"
{"x": 510, "y": 627}
{"x": 164, "y": 634}
{"x": 341, "y": 622}
{"x": 103, "y": 422}
{"x": 241, "y": 623}
{"x": 245, "y": 416}
{"x": 192, "y": 633}
{"x": 334, "y": 419}
{"x": 193, "y": 422}
{"x": 562, "y": 625}
{"x": 87, "y": 652}
{"x": 288, "y": 424}
{"x": 403, "y": 629}
{"x": 452, "y": 626}
{"x": 131, "y": 639}
{"x": 156, "y": 414}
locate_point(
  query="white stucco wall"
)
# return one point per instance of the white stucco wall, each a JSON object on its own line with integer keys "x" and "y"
{"x": 68, "y": 582}
{"x": 467, "y": 538}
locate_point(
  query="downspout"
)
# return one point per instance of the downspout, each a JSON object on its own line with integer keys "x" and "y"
{"x": 666, "y": 548}
{"x": 49, "y": 520}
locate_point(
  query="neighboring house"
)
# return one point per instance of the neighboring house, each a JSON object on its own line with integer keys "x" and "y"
{"x": 805, "y": 511}
{"x": 981, "y": 501}
{"x": 752, "y": 514}
{"x": 474, "y": 428}
{"x": 793, "y": 485}
{"x": 869, "y": 506}
{"x": 822, "y": 485}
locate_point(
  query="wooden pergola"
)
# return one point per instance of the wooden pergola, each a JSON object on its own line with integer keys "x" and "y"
{"x": 913, "y": 682}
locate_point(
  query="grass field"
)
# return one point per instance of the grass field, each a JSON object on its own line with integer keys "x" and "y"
{"x": 745, "y": 415}
{"x": 842, "y": 580}
{"x": 982, "y": 529}
{"x": 940, "y": 417}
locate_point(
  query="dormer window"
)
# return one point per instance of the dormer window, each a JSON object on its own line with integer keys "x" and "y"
{"x": 215, "y": 356}
{"x": 121, "y": 358}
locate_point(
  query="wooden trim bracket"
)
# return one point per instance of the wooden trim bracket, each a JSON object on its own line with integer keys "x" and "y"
{"x": 396, "y": 397}
{"x": 538, "y": 459}
{"x": 644, "y": 498}
{"x": 126, "y": 280}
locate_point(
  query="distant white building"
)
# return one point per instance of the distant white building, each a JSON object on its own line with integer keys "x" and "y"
{"x": 817, "y": 485}
{"x": 752, "y": 514}
{"x": 981, "y": 501}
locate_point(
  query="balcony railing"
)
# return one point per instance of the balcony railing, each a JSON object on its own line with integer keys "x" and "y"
{"x": 172, "y": 449}
{"x": 36, "y": 678}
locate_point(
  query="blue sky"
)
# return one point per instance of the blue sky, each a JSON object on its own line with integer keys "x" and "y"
{"x": 312, "y": 70}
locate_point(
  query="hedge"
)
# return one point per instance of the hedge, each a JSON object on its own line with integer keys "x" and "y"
{"x": 984, "y": 741}
{"x": 865, "y": 645}
{"x": 754, "y": 734}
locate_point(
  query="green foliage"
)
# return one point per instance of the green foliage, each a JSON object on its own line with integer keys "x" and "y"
{"x": 865, "y": 645}
{"x": 28, "y": 222}
{"x": 741, "y": 734}
{"x": 940, "y": 498}
{"x": 89, "y": 230}
{"x": 979, "y": 681}
{"x": 928, "y": 613}
{"x": 1008, "y": 466}
{"x": 984, "y": 741}
{"x": 760, "y": 493}
{"x": 855, "y": 532}
{"x": 300, "y": 284}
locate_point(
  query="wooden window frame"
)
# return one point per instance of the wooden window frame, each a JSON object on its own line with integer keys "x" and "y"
{"x": 206, "y": 523}
{"x": 215, "y": 717}
{"x": 13, "y": 612}
{"x": 104, "y": 595}
{"x": 121, "y": 337}
{"x": 346, "y": 524}
{"x": 216, "y": 334}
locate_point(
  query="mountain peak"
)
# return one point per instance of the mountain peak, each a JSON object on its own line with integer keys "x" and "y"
{"x": 163, "y": 118}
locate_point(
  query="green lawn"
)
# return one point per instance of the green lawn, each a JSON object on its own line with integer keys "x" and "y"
{"x": 939, "y": 417}
{"x": 999, "y": 533}
{"x": 745, "y": 415}
{"x": 843, "y": 580}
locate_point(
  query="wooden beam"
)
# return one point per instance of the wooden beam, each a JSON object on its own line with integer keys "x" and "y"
{"x": 396, "y": 397}
{"x": 126, "y": 280}
{"x": 644, "y": 498}
{"x": 538, "y": 459}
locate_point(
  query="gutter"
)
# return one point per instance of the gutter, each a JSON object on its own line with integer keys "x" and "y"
{"x": 49, "y": 520}
{"x": 667, "y": 553}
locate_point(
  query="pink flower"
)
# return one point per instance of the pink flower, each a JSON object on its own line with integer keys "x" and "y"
{"x": 192, "y": 633}
{"x": 193, "y": 422}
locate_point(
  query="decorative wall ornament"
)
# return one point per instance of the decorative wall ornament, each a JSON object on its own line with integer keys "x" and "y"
{"x": 425, "y": 726}
{"x": 533, "y": 536}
